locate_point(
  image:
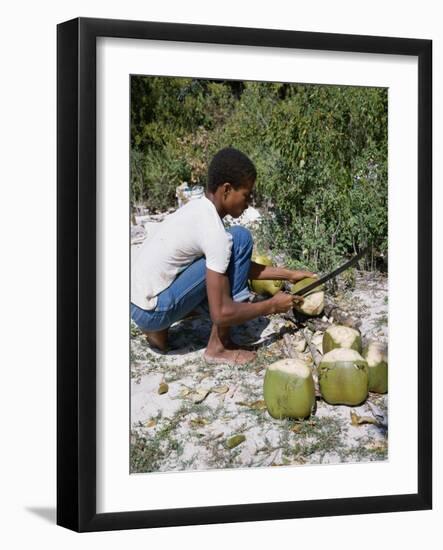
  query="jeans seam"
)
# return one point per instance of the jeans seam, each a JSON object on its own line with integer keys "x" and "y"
{"x": 183, "y": 294}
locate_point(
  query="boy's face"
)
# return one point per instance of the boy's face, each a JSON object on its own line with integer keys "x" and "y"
{"x": 235, "y": 201}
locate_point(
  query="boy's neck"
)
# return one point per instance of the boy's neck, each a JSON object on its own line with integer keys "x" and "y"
{"x": 216, "y": 201}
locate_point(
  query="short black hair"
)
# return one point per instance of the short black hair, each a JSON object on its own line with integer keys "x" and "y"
{"x": 232, "y": 166}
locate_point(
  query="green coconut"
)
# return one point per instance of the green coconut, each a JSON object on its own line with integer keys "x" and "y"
{"x": 376, "y": 356}
{"x": 343, "y": 377}
{"x": 289, "y": 389}
{"x": 339, "y": 336}
{"x": 265, "y": 287}
{"x": 313, "y": 302}
{"x": 261, "y": 259}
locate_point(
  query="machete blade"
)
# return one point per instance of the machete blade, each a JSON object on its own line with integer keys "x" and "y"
{"x": 333, "y": 274}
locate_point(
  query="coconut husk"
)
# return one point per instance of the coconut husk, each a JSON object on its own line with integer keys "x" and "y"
{"x": 317, "y": 325}
{"x": 343, "y": 377}
{"x": 376, "y": 355}
{"x": 313, "y": 303}
{"x": 288, "y": 389}
{"x": 289, "y": 346}
{"x": 331, "y": 309}
{"x": 341, "y": 336}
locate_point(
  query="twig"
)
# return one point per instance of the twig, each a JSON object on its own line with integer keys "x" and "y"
{"x": 287, "y": 345}
{"x": 289, "y": 348}
{"x": 316, "y": 356}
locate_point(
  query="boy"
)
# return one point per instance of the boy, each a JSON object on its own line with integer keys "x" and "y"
{"x": 193, "y": 260}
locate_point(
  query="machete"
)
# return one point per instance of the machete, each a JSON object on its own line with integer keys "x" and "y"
{"x": 332, "y": 274}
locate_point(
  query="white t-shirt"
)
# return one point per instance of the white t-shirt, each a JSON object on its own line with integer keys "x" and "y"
{"x": 193, "y": 231}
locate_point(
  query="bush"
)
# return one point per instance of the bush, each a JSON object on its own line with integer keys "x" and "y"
{"x": 320, "y": 153}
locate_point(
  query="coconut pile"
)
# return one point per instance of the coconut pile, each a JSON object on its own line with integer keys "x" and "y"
{"x": 310, "y": 396}
{"x": 345, "y": 374}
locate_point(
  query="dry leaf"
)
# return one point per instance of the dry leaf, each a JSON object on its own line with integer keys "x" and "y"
{"x": 184, "y": 392}
{"x": 198, "y": 422}
{"x": 163, "y": 388}
{"x": 368, "y": 420}
{"x": 296, "y": 429}
{"x": 220, "y": 389}
{"x": 200, "y": 396}
{"x": 357, "y": 420}
{"x": 256, "y": 405}
{"x": 235, "y": 440}
{"x": 151, "y": 423}
{"x": 354, "y": 418}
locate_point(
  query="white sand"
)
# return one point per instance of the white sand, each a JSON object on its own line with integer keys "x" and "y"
{"x": 189, "y": 435}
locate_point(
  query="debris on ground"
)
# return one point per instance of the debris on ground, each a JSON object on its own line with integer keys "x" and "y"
{"x": 187, "y": 415}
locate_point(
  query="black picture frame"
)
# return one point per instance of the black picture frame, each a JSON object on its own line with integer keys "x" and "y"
{"x": 76, "y": 279}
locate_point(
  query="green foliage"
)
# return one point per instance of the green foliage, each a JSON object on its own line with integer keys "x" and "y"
{"x": 155, "y": 175}
{"x": 175, "y": 124}
{"x": 320, "y": 153}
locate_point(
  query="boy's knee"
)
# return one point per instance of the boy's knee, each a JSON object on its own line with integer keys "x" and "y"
{"x": 241, "y": 236}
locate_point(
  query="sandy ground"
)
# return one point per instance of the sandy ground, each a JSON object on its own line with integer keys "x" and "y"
{"x": 185, "y": 412}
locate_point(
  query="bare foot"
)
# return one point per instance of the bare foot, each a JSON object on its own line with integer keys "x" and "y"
{"x": 230, "y": 344}
{"x": 221, "y": 349}
{"x": 223, "y": 337}
{"x": 229, "y": 356}
{"x": 158, "y": 339}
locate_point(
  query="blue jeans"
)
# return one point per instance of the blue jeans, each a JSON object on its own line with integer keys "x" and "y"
{"x": 188, "y": 290}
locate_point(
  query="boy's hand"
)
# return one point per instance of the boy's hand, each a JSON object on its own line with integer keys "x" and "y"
{"x": 299, "y": 275}
{"x": 283, "y": 302}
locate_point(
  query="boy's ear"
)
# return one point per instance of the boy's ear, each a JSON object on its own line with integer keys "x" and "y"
{"x": 227, "y": 187}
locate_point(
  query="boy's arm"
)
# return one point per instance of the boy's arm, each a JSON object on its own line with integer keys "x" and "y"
{"x": 225, "y": 312}
{"x": 264, "y": 272}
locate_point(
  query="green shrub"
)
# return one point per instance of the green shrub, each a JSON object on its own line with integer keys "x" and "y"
{"x": 320, "y": 153}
